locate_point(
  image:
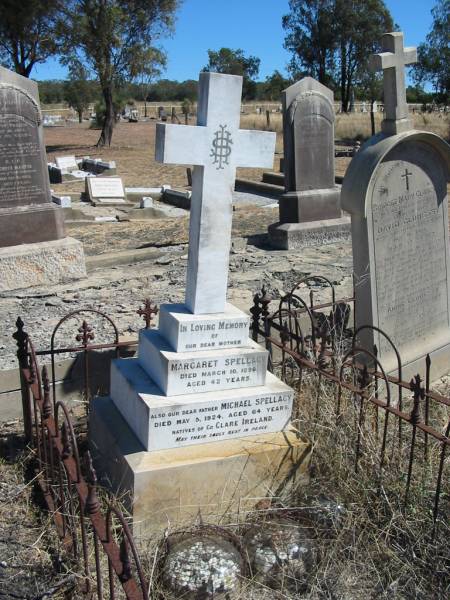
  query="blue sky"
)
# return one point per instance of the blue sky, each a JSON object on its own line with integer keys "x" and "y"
{"x": 254, "y": 26}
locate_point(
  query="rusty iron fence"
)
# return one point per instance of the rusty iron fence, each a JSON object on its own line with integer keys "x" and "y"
{"x": 397, "y": 429}
{"x": 94, "y": 533}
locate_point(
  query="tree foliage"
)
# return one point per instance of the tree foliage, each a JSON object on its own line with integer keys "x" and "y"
{"x": 272, "y": 87}
{"x": 234, "y": 62}
{"x": 28, "y": 33}
{"x": 434, "y": 54}
{"x": 332, "y": 40}
{"x": 110, "y": 38}
{"x": 78, "y": 91}
{"x": 311, "y": 38}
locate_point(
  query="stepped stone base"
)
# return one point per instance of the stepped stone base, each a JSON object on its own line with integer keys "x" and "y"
{"x": 161, "y": 421}
{"x": 45, "y": 263}
{"x": 170, "y": 487}
{"x": 292, "y": 236}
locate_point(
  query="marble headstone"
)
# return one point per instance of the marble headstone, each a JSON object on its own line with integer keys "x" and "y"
{"x": 396, "y": 192}
{"x": 27, "y": 214}
{"x": 311, "y": 195}
{"x": 199, "y": 378}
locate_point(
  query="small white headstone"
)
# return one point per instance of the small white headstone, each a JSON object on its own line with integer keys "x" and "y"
{"x": 105, "y": 189}
{"x": 67, "y": 163}
{"x": 147, "y": 202}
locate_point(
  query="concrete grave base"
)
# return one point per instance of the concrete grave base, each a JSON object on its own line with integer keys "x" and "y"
{"x": 292, "y": 236}
{"x": 44, "y": 263}
{"x": 311, "y": 205}
{"x": 170, "y": 487}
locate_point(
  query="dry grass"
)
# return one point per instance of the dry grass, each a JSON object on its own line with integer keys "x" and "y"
{"x": 355, "y": 126}
{"x": 376, "y": 550}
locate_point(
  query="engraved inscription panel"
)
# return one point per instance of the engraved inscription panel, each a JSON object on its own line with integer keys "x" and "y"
{"x": 410, "y": 256}
{"x": 314, "y": 143}
{"x": 186, "y": 425}
{"x": 23, "y": 173}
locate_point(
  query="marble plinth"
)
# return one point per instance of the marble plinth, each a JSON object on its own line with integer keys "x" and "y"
{"x": 161, "y": 422}
{"x": 188, "y": 332}
{"x": 170, "y": 487}
{"x": 191, "y": 372}
{"x": 292, "y": 236}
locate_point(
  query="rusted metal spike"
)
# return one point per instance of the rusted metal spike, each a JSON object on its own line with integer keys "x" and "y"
{"x": 21, "y": 339}
{"x": 125, "y": 560}
{"x": 265, "y": 300}
{"x": 285, "y": 333}
{"x": 363, "y": 377}
{"x": 92, "y": 501}
{"x": 32, "y": 370}
{"x": 46, "y": 405}
{"x": 66, "y": 442}
{"x": 148, "y": 312}
{"x": 85, "y": 334}
{"x": 419, "y": 394}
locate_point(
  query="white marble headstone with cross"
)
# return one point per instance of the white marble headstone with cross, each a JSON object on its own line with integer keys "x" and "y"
{"x": 216, "y": 146}
{"x": 396, "y": 192}
{"x": 199, "y": 377}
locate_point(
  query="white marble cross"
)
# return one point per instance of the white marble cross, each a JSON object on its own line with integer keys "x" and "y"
{"x": 392, "y": 62}
{"x": 216, "y": 146}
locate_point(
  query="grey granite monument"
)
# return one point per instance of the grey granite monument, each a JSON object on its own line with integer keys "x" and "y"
{"x": 199, "y": 381}
{"x": 31, "y": 227}
{"x": 310, "y": 210}
{"x": 396, "y": 192}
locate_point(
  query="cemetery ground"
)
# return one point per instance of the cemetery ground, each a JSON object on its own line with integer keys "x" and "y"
{"x": 367, "y": 549}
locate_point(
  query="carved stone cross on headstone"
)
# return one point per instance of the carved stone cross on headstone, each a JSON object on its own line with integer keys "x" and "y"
{"x": 216, "y": 146}
{"x": 392, "y": 62}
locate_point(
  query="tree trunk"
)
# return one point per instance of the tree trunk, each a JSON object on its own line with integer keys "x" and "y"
{"x": 344, "y": 98}
{"x": 80, "y": 115}
{"x": 372, "y": 116}
{"x": 108, "y": 124}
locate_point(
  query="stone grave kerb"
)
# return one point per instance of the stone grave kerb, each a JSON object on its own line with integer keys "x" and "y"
{"x": 392, "y": 62}
{"x": 216, "y": 147}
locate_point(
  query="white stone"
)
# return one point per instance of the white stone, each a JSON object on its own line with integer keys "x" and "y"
{"x": 161, "y": 422}
{"x": 216, "y": 147}
{"x": 186, "y": 332}
{"x": 146, "y": 202}
{"x": 67, "y": 162}
{"x": 191, "y": 372}
{"x": 62, "y": 201}
{"x": 145, "y": 191}
{"x": 392, "y": 62}
{"x": 106, "y": 188}
{"x": 43, "y": 263}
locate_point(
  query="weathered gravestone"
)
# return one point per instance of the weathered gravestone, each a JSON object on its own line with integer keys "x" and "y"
{"x": 33, "y": 246}
{"x": 197, "y": 422}
{"x": 396, "y": 192}
{"x": 310, "y": 209}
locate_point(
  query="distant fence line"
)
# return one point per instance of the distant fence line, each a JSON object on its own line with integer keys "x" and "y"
{"x": 150, "y": 110}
